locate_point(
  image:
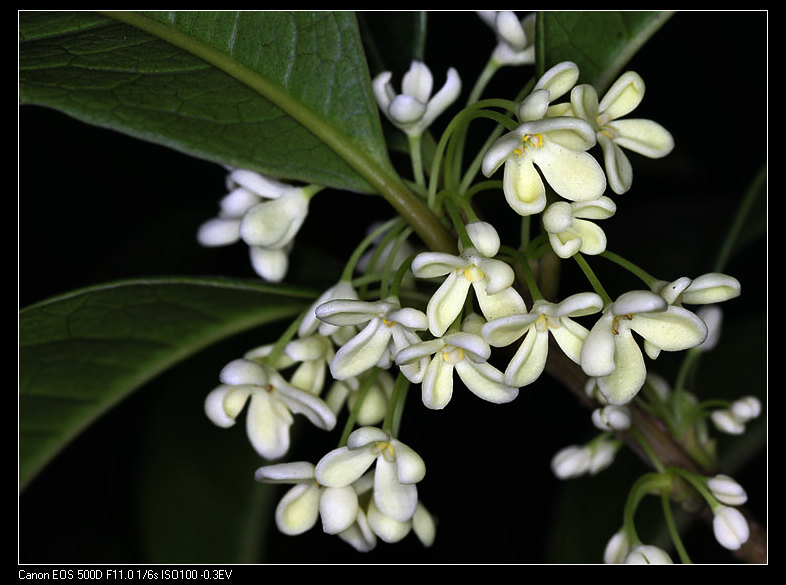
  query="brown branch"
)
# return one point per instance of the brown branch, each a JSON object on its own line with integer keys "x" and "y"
{"x": 666, "y": 448}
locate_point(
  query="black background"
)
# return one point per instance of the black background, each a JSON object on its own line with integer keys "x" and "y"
{"x": 96, "y": 206}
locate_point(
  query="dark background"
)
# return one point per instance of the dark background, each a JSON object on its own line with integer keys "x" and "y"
{"x": 96, "y": 206}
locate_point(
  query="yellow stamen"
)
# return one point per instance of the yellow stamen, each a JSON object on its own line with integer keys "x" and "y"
{"x": 529, "y": 140}
{"x": 386, "y": 449}
{"x": 615, "y": 323}
{"x": 473, "y": 273}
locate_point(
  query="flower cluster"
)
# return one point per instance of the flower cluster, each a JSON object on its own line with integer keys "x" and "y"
{"x": 264, "y": 213}
{"x": 356, "y": 350}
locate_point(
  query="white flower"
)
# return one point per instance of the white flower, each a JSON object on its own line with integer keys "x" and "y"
{"x": 730, "y": 527}
{"x": 571, "y": 461}
{"x": 726, "y": 490}
{"x": 311, "y": 356}
{"x": 530, "y": 359}
{"x": 732, "y": 420}
{"x": 491, "y": 279}
{"x": 388, "y": 329}
{"x": 271, "y": 404}
{"x": 556, "y": 146}
{"x": 611, "y": 418}
{"x": 397, "y": 470}
{"x": 569, "y": 229}
{"x": 266, "y": 214}
{"x": 610, "y": 352}
{"x": 414, "y": 109}
{"x": 300, "y": 508}
{"x": 311, "y": 324}
{"x": 515, "y": 38}
{"x": 617, "y": 548}
{"x": 465, "y": 354}
{"x": 642, "y": 136}
{"x": 646, "y": 554}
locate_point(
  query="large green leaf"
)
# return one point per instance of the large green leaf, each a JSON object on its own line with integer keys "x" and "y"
{"x": 599, "y": 42}
{"x": 81, "y": 353}
{"x": 283, "y": 93}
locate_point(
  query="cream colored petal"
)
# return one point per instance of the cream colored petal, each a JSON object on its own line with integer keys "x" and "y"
{"x": 235, "y": 203}
{"x": 484, "y": 237}
{"x": 638, "y": 301}
{"x": 472, "y": 344}
{"x": 341, "y": 467}
{"x": 242, "y": 371}
{"x": 643, "y": 136}
{"x": 503, "y": 331}
{"x": 410, "y": 467}
{"x": 385, "y": 527}
{"x": 298, "y": 510}
{"x": 214, "y": 407}
{"x": 424, "y": 526}
{"x": 291, "y": 472}
{"x": 528, "y": 362}
{"x": 338, "y": 508}
{"x": 593, "y": 238}
{"x": 570, "y": 337}
{"x": 565, "y": 244}
{"x": 597, "y": 352}
{"x": 584, "y": 101}
{"x": 436, "y": 264}
{"x": 574, "y": 175}
{"x": 506, "y": 302}
{"x": 447, "y": 303}
{"x": 713, "y": 287}
{"x": 419, "y": 350}
{"x": 274, "y": 223}
{"x": 304, "y": 402}
{"x": 446, "y": 95}
{"x": 219, "y": 232}
{"x": 523, "y": 187}
{"x": 672, "y": 330}
{"x": 619, "y": 171}
{"x": 341, "y": 312}
{"x": 437, "y": 385}
{"x": 499, "y": 152}
{"x": 362, "y": 352}
{"x": 559, "y": 79}
{"x": 393, "y": 498}
{"x": 579, "y": 305}
{"x": 485, "y": 381}
{"x": 383, "y": 92}
{"x": 499, "y": 275}
{"x": 267, "y": 424}
{"x": 622, "y": 385}
{"x": 418, "y": 81}
{"x": 623, "y": 96}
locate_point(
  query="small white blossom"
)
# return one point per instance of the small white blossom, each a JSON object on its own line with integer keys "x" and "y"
{"x": 730, "y": 527}
{"x": 387, "y": 329}
{"x": 570, "y": 230}
{"x": 491, "y": 279}
{"x": 271, "y": 403}
{"x": 572, "y": 461}
{"x": 464, "y": 353}
{"x": 515, "y": 38}
{"x": 732, "y": 420}
{"x": 617, "y": 548}
{"x": 642, "y": 136}
{"x": 266, "y": 214}
{"x": 545, "y": 318}
{"x": 397, "y": 470}
{"x": 611, "y": 418}
{"x": 712, "y": 315}
{"x": 611, "y": 354}
{"x": 301, "y": 507}
{"x": 726, "y": 490}
{"x": 415, "y": 109}
{"x": 554, "y": 146}
{"x": 310, "y": 324}
{"x": 646, "y": 554}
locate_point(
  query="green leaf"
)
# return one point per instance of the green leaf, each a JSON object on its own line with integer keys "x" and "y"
{"x": 600, "y": 43}
{"x": 287, "y": 94}
{"x": 81, "y": 353}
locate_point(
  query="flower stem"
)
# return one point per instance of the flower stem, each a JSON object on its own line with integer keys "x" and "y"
{"x": 648, "y": 279}
{"x": 592, "y": 278}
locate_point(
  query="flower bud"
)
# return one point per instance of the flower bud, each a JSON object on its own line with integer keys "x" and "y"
{"x": 746, "y": 408}
{"x": 611, "y": 418}
{"x": 571, "y": 461}
{"x": 645, "y": 554}
{"x": 617, "y": 549}
{"x": 730, "y": 527}
{"x": 726, "y": 490}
